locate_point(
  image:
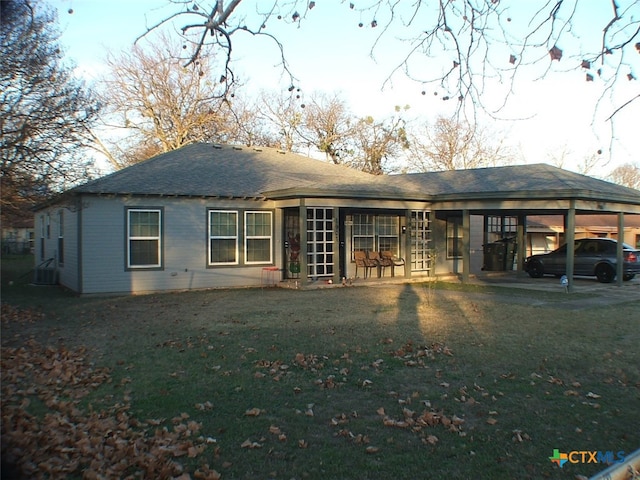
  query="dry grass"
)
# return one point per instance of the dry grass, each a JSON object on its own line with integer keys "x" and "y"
{"x": 358, "y": 383}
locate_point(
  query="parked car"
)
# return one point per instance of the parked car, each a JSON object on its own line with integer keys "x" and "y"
{"x": 593, "y": 256}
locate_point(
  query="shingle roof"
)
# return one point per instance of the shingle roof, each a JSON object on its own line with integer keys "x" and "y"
{"x": 211, "y": 170}
{"x": 522, "y": 180}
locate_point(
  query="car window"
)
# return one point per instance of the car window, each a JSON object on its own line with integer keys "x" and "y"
{"x": 579, "y": 246}
{"x": 607, "y": 247}
{"x": 591, "y": 248}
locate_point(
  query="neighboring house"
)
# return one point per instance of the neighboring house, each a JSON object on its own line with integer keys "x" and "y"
{"x": 546, "y": 232}
{"x": 17, "y": 236}
{"x": 207, "y": 216}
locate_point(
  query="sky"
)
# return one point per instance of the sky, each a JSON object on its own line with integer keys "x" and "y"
{"x": 328, "y": 52}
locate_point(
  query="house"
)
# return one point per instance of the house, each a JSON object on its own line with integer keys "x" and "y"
{"x": 546, "y": 232}
{"x": 207, "y": 216}
{"x": 17, "y": 236}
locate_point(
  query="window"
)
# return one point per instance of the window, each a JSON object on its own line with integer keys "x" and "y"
{"x": 258, "y": 237}
{"x": 421, "y": 255}
{"x": 320, "y": 242}
{"x": 454, "y": 237}
{"x": 144, "y": 238}
{"x": 388, "y": 229}
{"x": 363, "y": 237}
{"x": 61, "y": 237}
{"x": 42, "y": 236}
{"x": 375, "y": 233}
{"x": 223, "y": 237}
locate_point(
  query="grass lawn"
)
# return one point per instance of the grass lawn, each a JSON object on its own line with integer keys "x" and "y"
{"x": 395, "y": 381}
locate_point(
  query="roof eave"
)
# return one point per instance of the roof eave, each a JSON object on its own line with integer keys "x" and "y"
{"x": 567, "y": 194}
{"x": 292, "y": 193}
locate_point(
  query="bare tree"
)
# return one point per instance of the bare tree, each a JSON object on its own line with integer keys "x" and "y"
{"x": 246, "y": 126}
{"x": 45, "y": 111}
{"x": 159, "y": 104}
{"x": 448, "y": 144}
{"x": 282, "y": 114}
{"x": 376, "y": 142}
{"x": 329, "y": 126}
{"x": 627, "y": 175}
{"x": 469, "y": 42}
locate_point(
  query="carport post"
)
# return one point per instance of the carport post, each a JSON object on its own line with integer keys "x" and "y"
{"x": 570, "y": 237}
{"x": 520, "y": 244}
{"x": 466, "y": 245}
{"x": 619, "y": 250}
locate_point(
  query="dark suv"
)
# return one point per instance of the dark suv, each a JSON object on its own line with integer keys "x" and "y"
{"x": 593, "y": 256}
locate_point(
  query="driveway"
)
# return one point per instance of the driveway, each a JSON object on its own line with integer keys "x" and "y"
{"x": 587, "y": 291}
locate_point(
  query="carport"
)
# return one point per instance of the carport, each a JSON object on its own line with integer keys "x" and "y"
{"x": 521, "y": 191}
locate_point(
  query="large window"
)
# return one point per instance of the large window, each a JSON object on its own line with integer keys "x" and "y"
{"x": 223, "y": 237}
{"x": 258, "y": 237}
{"x": 376, "y": 233}
{"x": 144, "y": 238}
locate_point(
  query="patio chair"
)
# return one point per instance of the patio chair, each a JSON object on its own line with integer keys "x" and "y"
{"x": 380, "y": 261}
{"x": 393, "y": 261}
{"x": 362, "y": 261}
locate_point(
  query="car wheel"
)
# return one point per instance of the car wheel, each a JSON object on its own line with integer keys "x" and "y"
{"x": 605, "y": 273}
{"x": 628, "y": 277}
{"x": 535, "y": 269}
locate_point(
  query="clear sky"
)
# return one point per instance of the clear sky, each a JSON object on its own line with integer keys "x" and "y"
{"x": 330, "y": 53}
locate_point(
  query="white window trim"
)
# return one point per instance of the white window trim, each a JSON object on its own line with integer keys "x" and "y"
{"x": 258, "y": 237}
{"x": 211, "y": 237}
{"x": 130, "y": 238}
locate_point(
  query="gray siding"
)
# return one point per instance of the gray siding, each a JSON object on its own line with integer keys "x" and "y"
{"x": 68, "y": 270}
{"x": 184, "y": 246}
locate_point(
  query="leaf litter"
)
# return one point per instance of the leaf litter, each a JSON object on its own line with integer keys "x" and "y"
{"x": 70, "y": 438}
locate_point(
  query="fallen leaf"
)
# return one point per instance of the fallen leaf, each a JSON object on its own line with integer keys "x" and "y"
{"x": 491, "y": 421}
{"x": 431, "y": 439}
{"x": 250, "y": 445}
{"x": 253, "y": 412}
{"x": 371, "y": 450}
